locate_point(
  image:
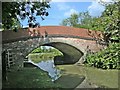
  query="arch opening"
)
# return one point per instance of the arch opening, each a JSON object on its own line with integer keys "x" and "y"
{"x": 43, "y": 53}
{"x": 43, "y": 58}
{"x": 70, "y": 54}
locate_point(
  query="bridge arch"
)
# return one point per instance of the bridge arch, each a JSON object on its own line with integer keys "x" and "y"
{"x": 71, "y": 54}
{"x": 71, "y": 41}
{"x": 22, "y": 48}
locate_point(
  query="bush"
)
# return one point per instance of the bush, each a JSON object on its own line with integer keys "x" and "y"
{"x": 38, "y": 50}
{"x": 106, "y": 59}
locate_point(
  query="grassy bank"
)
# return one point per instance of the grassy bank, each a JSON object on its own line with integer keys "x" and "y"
{"x": 29, "y": 78}
{"x": 107, "y": 78}
{"x": 36, "y": 78}
{"x": 72, "y": 76}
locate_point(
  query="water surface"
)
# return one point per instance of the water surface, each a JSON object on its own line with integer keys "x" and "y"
{"x": 48, "y": 66}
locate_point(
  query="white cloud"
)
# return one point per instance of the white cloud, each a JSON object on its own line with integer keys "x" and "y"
{"x": 71, "y": 11}
{"x": 95, "y": 9}
{"x": 68, "y": 10}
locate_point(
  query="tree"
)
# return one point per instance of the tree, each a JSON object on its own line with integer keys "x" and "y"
{"x": 112, "y": 18}
{"x": 109, "y": 22}
{"x": 65, "y": 22}
{"x": 82, "y": 20}
{"x": 85, "y": 20}
{"x": 12, "y": 12}
{"x": 71, "y": 21}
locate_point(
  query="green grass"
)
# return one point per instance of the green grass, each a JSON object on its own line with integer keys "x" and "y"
{"x": 36, "y": 78}
{"x": 29, "y": 78}
{"x": 107, "y": 78}
{"x": 72, "y": 75}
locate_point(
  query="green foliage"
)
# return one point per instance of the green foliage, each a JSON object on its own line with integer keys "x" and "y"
{"x": 36, "y": 58}
{"x": 44, "y": 50}
{"x": 83, "y": 19}
{"x": 109, "y": 22}
{"x": 71, "y": 21}
{"x": 37, "y": 50}
{"x": 13, "y": 12}
{"x": 105, "y": 59}
{"x": 8, "y": 14}
{"x": 40, "y": 54}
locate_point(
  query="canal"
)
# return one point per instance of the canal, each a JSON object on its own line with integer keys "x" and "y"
{"x": 40, "y": 72}
{"x": 58, "y": 74}
{"x": 79, "y": 76}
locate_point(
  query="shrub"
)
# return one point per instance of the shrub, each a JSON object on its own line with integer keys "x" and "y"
{"x": 105, "y": 59}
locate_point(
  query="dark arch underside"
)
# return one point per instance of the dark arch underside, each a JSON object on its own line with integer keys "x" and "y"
{"x": 70, "y": 53}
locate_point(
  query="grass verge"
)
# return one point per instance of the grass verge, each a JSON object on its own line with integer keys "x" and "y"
{"x": 29, "y": 78}
{"x": 36, "y": 78}
{"x": 107, "y": 78}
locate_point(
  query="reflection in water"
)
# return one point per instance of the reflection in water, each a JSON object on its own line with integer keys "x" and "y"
{"x": 48, "y": 66}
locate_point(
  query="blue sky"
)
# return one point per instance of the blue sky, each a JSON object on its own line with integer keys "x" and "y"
{"x": 62, "y": 10}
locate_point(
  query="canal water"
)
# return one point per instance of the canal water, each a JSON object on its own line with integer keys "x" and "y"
{"x": 49, "y": 67}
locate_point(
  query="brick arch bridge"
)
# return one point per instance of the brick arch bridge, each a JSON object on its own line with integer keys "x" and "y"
{"x": 72, "y": 42}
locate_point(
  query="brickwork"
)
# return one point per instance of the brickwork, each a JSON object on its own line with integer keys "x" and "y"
{"x": 21, "y": 44}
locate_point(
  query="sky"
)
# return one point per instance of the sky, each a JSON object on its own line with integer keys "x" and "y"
{"x": 61, "y": 9}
